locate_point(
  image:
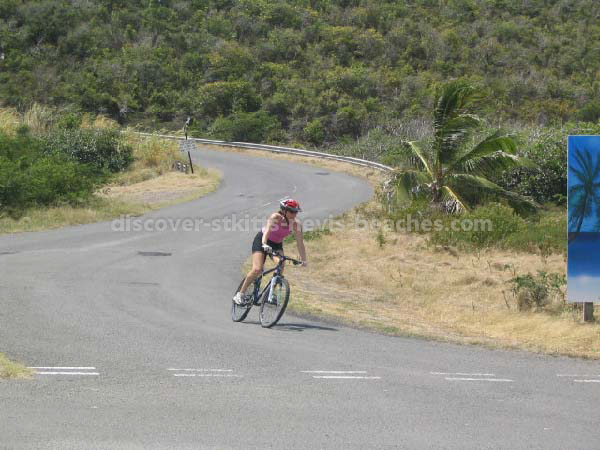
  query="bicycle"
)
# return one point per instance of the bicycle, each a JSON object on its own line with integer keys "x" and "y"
{"x": 273, "y": 299}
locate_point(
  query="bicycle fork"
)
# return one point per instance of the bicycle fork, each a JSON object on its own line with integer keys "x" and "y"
{"x": 271, "y": 289}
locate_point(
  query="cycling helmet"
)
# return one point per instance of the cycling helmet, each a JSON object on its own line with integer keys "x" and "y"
{"x": 289, "y": 204}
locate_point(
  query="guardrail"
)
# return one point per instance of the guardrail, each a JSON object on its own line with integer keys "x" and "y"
{"x": 276, "y": 149}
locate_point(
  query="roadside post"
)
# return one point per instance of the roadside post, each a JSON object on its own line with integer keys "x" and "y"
{"x": 191, "y": 165}
{"x": 188, "y": 122}
{"x": 588, "y": 312}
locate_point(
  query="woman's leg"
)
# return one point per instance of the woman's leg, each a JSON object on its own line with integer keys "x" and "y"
{"x": 258, "y": 261}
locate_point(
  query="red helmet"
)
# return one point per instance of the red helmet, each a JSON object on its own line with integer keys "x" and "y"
{"x": 289, "y": 204}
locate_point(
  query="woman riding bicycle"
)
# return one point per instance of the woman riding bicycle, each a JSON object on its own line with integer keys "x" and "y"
{"x": 270, "y": 240}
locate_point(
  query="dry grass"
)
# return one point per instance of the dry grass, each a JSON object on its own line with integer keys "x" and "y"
{"x": 407, "y": 288}
{"x": 39, "y": 118}
{"x": 9, "y": 121}
{"x": 154, "y": 156}
{"x": 11, "y": 370}
{"x": 57, "y": 217}
{"x": 166, "y": 189}
{"x": 98, "y": 122}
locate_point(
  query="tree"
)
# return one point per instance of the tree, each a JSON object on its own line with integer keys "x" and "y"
{"x": 451, "y": 173}
{"x": 584, "y": 197}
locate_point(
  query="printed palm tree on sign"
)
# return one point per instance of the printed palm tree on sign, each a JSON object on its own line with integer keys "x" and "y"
{"x": 449, "y": 171}
{"x": 584, "y": 196}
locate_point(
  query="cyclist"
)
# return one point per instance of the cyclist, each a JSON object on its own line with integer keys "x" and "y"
{"x": 270, "y": 240}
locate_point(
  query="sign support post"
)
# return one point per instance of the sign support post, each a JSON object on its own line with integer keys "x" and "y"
{"x": 588, "y": 312}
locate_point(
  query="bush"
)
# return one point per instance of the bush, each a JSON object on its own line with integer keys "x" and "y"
{"x": 546, "y": 179}
{"x": 29, "y": 177}
{"x": 101, "y": 149}
{"x": 503, "y": 220}
{"x": 242, "y": 126}
{"x": 314, "y": 132}
{"x": 546, "y": 233}
{"x": 538, "y": 291}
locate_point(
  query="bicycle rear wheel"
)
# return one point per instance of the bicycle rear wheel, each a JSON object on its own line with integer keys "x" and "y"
{"x": 271, "y": 311}
{"x": 239, "y": 312}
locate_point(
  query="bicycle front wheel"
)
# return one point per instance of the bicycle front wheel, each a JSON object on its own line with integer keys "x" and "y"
{"x": 272, "y": 310}
{"x": 239, "y": 312}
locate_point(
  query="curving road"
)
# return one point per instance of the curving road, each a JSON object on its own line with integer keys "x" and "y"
{"x": 131, "y": 336}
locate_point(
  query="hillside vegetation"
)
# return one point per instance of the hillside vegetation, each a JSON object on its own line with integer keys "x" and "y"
{"x": 309, "y": 71}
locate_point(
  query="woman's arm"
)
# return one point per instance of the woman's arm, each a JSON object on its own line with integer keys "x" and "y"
{"x": 300, "y": 241}
{"x": 271, "y": 224}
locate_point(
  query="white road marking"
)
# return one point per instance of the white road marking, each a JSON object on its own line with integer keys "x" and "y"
{"x": 223, "y": 373}
{"x": 334, "y": 371}
{"x": 62, "y": 371}
{"x": 575, "y": 376}
{"x": 340, "y": 377}
{"x": 503, "y": 380}
{"x": 63, "y": 368}
{"x": 586, "y": 381}
{"x": 340, "y": 374}
{"x": 464, "y": 374}
{"x": 267, "y": 204}
{"x": 67, "y": 373}
{"x": 207, "y": 375}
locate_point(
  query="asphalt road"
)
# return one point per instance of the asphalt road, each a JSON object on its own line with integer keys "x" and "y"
{"x": 136, "y": 351}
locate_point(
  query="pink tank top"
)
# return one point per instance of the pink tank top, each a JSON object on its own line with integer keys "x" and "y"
{"x": 278, "y": 233}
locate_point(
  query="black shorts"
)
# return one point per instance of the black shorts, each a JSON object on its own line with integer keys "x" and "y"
{"x": 257, "y": 244}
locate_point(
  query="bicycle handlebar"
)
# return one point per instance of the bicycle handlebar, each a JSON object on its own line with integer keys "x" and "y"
{"x": 286, "y": 258}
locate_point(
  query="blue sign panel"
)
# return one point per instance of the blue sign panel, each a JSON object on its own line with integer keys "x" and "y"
{"x": 583, "y": 267}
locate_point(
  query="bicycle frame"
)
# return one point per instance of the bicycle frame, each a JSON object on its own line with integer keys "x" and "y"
{"x": 278, "y": 274}
{"x": 277, "y": 269}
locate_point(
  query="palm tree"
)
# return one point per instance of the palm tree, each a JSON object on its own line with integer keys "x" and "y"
{"x": 449, "y": 171}
{"x": 585, "y": 195}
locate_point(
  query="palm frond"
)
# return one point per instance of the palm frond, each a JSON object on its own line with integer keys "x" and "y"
{"x": 452, "y": 136}
{"x": 410, "y": 184}
{"x": 577, "y": 210}
{"x": 581, "y": 175}
{"x": 496, "y": 142}
{"x": 452, "y": 201}
{"x": 488, "y": 166}
{"x": 589, "y": 171}
{"x": 473, "y": 183}
{"x": 575, "y": 191}
{"x": 420, "y": 159}
{"x": 453, "y": 100}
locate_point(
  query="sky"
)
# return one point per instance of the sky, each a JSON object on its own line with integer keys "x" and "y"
{"x": 584, "y": 268}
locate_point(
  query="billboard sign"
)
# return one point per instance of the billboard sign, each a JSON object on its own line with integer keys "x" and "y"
{"x": 583, "y": 181}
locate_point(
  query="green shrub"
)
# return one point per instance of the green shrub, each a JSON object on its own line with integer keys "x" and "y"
{"x": 101, "y": 149}
{"x": 70, "y": 121}
{"x": 538, "y": 291}
{"x": 546, "y": 178}
{"x": 242, "y": 126}
{"x": 29, "y": 177}
{"x": 546, "y": 233}
{"x": 314, "y": 132}
{"x": 492, "y": 224}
